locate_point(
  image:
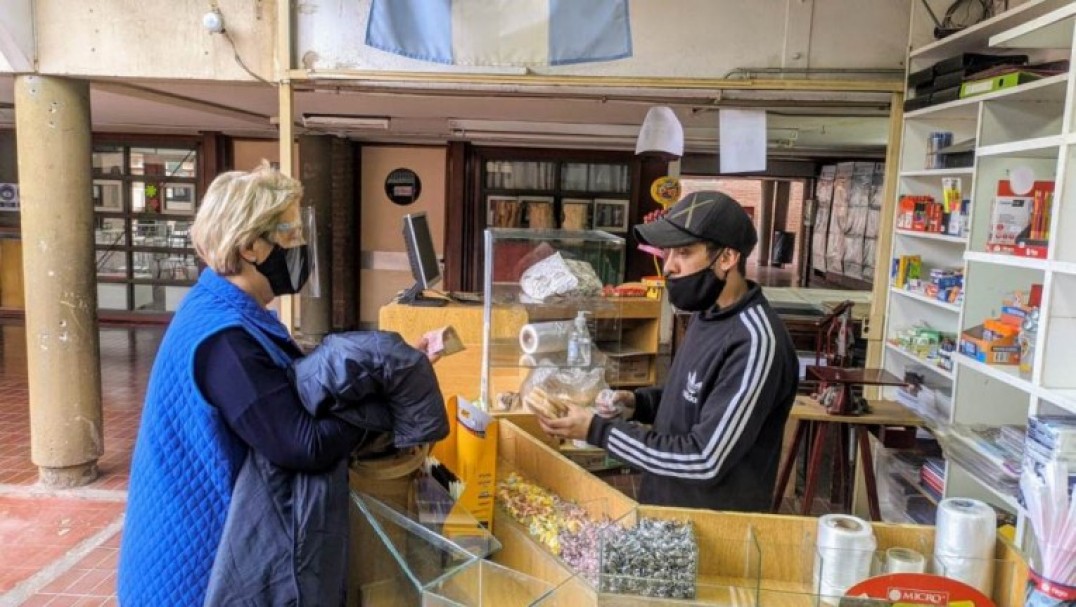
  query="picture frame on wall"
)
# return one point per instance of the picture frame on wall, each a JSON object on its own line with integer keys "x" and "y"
{"x": 178, "y": 197}
{"x": 538, "y": 212}
{"x": 611, "y": 215}
{"x": 503, "y": 212}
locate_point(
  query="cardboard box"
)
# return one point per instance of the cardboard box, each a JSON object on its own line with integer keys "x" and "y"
{"x": 1014, "y": 315}
{"x": 1029, "y": 249}
{"x": 999, "y": 351}
{"x": 627, "y": 367}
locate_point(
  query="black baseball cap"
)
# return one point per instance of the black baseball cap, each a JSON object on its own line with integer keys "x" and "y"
{"x": 702, "y": 216}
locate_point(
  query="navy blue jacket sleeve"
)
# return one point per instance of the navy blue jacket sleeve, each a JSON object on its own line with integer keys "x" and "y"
{"x": 646, "y": 404}
{"x": 259, "y": 403}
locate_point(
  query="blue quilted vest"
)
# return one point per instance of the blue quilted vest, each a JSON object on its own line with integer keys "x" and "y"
{"x": 185, "y": 459}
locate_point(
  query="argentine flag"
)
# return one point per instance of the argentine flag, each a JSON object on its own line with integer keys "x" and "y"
{"x": 501, "y": 32}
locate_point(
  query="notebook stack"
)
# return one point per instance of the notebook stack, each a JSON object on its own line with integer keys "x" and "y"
{"x": 932, "y": 476}
{"x": 942, "y": 82}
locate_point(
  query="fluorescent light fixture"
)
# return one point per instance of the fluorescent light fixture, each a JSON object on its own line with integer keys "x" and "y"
{"x": 468, "y": 126}
{"x": 698, "y": 137}
{"x": 342, "y": 121}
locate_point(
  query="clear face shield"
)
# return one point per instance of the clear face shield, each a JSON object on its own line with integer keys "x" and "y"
{"x": 299, "y": 269}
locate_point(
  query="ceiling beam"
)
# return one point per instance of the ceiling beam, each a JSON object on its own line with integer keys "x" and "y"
{"x": 889, "y": 85}
{"x": 181, "y": 101}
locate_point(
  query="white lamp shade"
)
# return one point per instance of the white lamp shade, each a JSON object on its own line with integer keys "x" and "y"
{"x": 661, "y": 132}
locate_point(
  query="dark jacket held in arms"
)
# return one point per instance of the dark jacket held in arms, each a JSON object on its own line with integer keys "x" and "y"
{"x": 285, "y": 540}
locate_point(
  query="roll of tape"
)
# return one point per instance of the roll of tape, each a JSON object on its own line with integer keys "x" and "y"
{"x": 964, "y": 542}
{"x": 544, "y": 337}
{"x": 844, "y": 555}
{"x": 904, "y": 560}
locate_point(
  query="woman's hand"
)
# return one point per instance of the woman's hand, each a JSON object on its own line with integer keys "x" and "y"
{"x": 423, "y": 345}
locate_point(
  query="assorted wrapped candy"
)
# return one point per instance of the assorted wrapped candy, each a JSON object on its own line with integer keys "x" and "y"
{"x": 654, "y": 558}
{"x": 545, "y": 515}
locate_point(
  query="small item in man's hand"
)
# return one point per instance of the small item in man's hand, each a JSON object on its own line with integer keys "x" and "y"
{"x": 607, "y": 405}
{"x": 444, "y": 341}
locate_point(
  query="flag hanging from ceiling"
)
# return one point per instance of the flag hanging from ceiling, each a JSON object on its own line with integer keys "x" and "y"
{"x": 501, "y": 32}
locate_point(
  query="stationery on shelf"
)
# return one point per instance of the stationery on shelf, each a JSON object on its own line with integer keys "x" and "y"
{"x": 907, "y": 270}
{"x": 1033, "y": 241}
{"x": 1007, "y": 76}
{"x": 1013, "y": 214}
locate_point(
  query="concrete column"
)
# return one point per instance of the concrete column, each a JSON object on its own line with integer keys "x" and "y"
{"x": 765, "y": 221}
{"x": 53, "y": 132}
{"x": 315, "y": 171}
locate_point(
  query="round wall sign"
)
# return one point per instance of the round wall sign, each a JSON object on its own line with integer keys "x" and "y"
{"x": 403, "y": 186}
{"x": 665, "y": 191}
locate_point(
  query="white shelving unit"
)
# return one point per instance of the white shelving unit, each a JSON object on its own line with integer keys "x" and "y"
{"x": 930, "y": 301}
{"x": 1032, "y": 125}
{"x": 928, "y": 365}
{"x": 960, "y": 172}
{"x": 1012, "y": 261}
{"x": 960, "y": 240}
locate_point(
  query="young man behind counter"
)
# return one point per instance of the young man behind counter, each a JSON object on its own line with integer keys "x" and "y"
{"x": 714, "y": 439}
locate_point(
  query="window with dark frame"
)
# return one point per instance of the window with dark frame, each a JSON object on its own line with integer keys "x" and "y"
{"x": 144, "y": 196}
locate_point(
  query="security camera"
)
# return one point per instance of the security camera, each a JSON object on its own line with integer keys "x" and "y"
{"x": 213, "y": 21}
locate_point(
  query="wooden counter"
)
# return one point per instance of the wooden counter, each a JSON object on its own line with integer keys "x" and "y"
{"x": 783, "y": 574}
{"x": 743, "y": 557}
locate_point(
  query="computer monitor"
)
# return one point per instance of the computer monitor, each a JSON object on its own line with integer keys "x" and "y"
{"x": 425, "y": 268}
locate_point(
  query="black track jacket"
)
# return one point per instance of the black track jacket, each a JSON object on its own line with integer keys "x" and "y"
{"x": 718, "y": 422}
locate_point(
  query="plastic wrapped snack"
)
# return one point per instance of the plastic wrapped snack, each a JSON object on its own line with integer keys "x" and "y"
{"x": 547, "y": 391}
{"x": 556, "y": 276}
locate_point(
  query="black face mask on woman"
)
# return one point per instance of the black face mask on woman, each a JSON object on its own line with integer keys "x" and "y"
{"x": 286, "y": 269}
{"x": 697, "y": 291}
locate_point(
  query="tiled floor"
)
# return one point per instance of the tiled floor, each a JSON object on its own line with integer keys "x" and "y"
{"x": 59, "y": 548}
{"x": 91, "y": 581}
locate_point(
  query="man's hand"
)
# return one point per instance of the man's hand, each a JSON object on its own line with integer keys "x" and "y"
{"x": 613, "y": 404}
{"x": 423, "y": 345}
{"x": 573, "y": 424}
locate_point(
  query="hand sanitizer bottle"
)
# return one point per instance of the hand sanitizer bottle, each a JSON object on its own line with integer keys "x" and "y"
{"x": 579, "y": 342}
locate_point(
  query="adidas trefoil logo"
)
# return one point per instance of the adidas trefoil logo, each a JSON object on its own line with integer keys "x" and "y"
{"x": 691, "y": 390}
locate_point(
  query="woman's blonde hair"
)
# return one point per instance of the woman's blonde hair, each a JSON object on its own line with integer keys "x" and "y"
{"x": 237, "y": 208}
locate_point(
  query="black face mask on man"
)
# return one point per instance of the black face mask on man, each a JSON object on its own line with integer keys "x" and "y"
{"x": 697, "y": 291}
{"x": 287, "y": 270}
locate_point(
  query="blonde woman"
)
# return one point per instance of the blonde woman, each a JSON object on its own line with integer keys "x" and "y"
{"x": 219, "y": 389}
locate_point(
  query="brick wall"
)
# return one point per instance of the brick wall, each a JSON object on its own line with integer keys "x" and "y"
{"x": 748, "y": 192}
{"x": 795, "y": 217}
{"x": 345, "y": 230}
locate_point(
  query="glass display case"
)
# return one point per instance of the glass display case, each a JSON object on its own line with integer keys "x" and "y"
{"x": 549, "y": 323}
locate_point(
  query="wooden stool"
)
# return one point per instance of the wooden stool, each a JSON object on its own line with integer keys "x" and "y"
{"x": 809, "y": 415}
